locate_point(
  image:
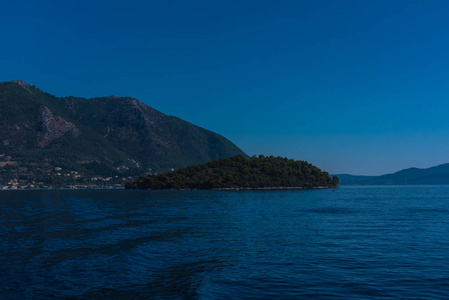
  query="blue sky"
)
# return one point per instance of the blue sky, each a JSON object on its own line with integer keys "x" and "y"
{"x": 356, "y": 87}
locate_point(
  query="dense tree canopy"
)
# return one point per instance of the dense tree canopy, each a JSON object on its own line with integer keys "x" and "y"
{"x": 239, "y": 172}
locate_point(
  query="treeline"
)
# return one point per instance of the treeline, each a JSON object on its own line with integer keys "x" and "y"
{"x": 239, "y": 172}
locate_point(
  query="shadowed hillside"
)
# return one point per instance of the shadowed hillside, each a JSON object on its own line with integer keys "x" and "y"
{"x": 113, "y": 135}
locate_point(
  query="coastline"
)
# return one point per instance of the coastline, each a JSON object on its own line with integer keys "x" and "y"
{"x": 63, "y": 189}
{"x": 246, "y": 188}
{"x": 276, "y": 188}
{"x": 214, "y": 189}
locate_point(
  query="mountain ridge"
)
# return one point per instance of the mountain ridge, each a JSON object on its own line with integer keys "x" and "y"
{"x": 411, "y": 176}
{"x": 115, "y": 132}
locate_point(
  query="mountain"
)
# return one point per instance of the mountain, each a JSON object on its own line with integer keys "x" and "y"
{"x": 239, "y": 172}
{"x": 412, "y": 176}
{"x": 107, "y": 136}
{"x": 347, "y": 179}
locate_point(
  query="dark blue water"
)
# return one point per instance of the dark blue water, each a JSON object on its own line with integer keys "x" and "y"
{"x": 355, "y": 243}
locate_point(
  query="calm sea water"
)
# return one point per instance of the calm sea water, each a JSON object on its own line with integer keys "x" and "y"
{"x": 355, "y": 243}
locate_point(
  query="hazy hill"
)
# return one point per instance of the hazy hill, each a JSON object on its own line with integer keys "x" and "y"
{"x": 412, "y": 176}
{"x": 109, "y": 132}
{"x": 347, "y": 179}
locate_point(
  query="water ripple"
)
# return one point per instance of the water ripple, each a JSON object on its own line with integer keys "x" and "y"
{"x": 356, "y": 243}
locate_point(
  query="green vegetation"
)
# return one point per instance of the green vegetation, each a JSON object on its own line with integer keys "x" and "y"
{"x": 239, "y": 172}
{"x": 115, "y": 137}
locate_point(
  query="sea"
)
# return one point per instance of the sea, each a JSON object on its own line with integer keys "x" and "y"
{"x": 362, "y": 242}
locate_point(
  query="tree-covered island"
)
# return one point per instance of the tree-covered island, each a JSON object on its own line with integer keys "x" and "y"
{"x": 239, "y": 172}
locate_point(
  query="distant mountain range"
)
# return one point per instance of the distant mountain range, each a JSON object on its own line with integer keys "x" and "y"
{"x": 106, "y": 135}
{"x": 412, "y": 176}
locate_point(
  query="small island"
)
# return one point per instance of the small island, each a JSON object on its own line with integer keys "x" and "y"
{"x": 239, "y": 172}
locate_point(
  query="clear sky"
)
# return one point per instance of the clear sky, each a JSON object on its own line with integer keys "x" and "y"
{"x": 358, "y": 87}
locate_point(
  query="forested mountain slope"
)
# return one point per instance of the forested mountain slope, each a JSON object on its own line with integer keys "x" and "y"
{"x": 108, "y": 134}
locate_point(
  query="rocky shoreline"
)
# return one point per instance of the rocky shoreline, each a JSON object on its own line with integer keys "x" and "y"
{"x": 216, "y": 189}
{"x": 275, "y": 188}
